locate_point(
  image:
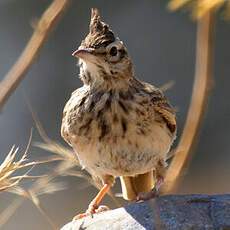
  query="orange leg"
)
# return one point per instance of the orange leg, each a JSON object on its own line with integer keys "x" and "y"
{"x": 94, "y": 204}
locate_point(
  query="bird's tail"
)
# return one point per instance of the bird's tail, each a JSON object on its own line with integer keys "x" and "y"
{"x": 132, "y": 186}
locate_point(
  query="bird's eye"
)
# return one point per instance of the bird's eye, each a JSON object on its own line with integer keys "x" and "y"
{"x": 113, "y": 51}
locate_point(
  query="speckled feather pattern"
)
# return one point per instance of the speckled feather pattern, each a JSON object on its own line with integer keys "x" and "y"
{"x": 117, "y": 125}
{"x": 119, "y": 132}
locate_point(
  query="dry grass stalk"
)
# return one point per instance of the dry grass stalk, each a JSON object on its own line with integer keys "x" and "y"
{"x": 47, "y": 22}
{"x": 9, "y": 166}
{"x": 8, "y": 212}
{"x": 168, "y": 85}
{"x": 200, "y": 7}
{"x": 10, "y": 183}
{"x": 43, "y": 185}
{"x": 201, "y": 90}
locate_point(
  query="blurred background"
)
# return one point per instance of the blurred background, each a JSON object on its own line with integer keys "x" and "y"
{"x": 162, "y": 46}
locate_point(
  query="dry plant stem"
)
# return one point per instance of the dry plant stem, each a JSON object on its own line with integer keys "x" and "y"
{"x": 10, "y": 210}
{"x": 44, "y": 214}
{"x": 201, "y": 90}
{"x": 48, "y": 20}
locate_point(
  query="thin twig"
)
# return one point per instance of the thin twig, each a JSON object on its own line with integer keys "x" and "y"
{"x": 47, "y": 22}
{"x": 200, "y": 7}
{"x": 7, "y": 213}
{"x": 41, "y": 186}
{"x": 38, "y": 205}
{"x": 201, "y": 91}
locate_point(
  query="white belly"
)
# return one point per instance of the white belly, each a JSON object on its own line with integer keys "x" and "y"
{"x": 132, "y": 155}
{"x": 113, "y": 135}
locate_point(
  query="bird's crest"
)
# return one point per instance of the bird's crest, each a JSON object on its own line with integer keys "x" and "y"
{"x": 99, "y": 32}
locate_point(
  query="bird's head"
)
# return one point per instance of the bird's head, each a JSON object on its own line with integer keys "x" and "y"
{"x": 103, "y": 58}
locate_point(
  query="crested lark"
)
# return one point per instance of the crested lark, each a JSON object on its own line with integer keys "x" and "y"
{"x": 118, "y": 125}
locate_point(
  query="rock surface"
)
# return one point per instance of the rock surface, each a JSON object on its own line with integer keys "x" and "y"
{"x": 171, "y": 212}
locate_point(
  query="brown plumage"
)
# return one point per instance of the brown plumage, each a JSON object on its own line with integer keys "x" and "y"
{"x": 117, "y": 125}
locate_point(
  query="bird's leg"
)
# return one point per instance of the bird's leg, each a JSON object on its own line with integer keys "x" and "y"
{"x": 159, "y": 177}
{"x": 94, "y": 204}
{"x": 153, "y": 193}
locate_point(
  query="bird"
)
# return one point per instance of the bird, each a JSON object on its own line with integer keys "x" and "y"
{"x": 118, "y": 126}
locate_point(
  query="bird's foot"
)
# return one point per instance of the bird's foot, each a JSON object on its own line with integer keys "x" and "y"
{"x": 93, "y": 209}
{"x": 151, "y": 194}
{"x": 143, "y": 196}
{"x": 94, "y": 205}
{"x": 89, "y": 212}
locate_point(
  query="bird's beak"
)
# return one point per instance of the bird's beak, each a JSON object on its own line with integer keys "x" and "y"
{"x": 83, "y": 53}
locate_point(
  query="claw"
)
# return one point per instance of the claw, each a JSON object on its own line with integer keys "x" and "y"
{"x": 143, "y": 196}
{"x": 94, "y": 205}
{"x": 101, "y": 208}
{"x": 80, "y": 216}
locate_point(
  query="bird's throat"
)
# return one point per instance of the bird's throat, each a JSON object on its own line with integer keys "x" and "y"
{"x": 97, "y": 76}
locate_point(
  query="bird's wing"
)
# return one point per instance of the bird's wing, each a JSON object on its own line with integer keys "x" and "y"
{"x": 161, "y": 106}
{"x": 76, "y": 99}
{"x": 164, "y": 112}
